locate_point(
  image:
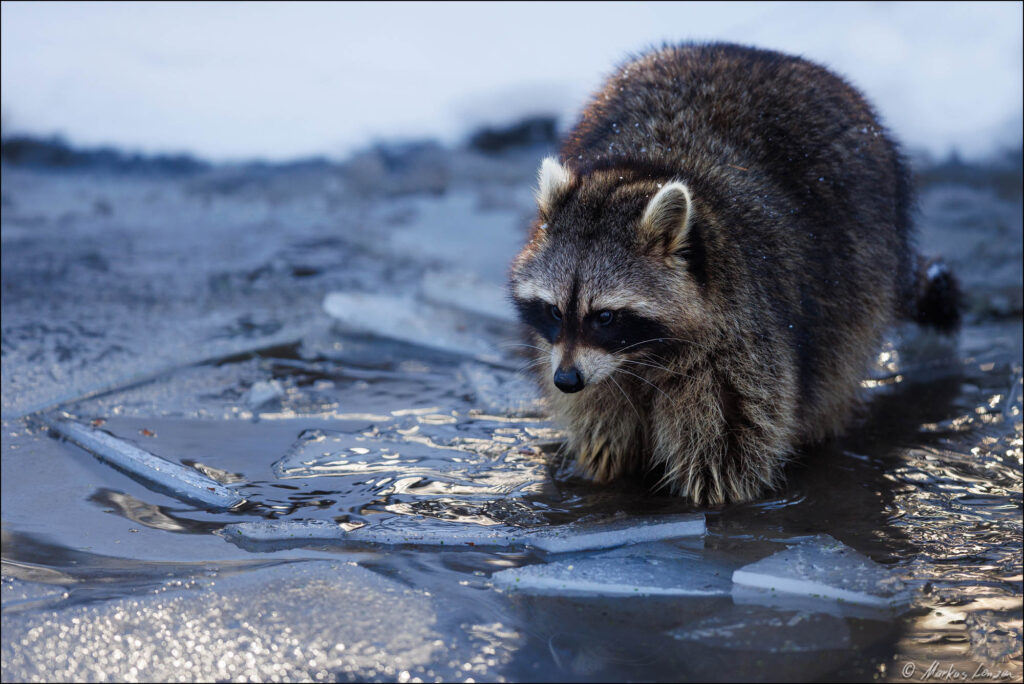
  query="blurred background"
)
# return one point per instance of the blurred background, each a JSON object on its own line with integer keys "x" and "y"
{"x": 277, "y": 81}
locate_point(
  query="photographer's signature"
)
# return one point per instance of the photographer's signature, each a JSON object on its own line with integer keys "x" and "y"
{"x": 938, "y": 671}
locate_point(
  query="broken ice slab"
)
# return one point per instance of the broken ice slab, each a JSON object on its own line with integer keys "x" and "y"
{"x": 409, "y": 530}
{"x": 641, "y": 571}
{"x": 18, "y": 595}
{"x": 468, "y": 292}
{"x": 413, "y": 322}
{"x": 277, "y": 533}
{"x": 823, "y": 568}
{"x": 153, "y": 471}
{"x": 502, "y": 392}
{"x": 576, "y": 537}
{"x": 263, "y": 392}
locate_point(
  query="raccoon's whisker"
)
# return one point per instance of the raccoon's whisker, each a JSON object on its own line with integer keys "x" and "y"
{"x": 521, "y": 344}
{"x": 640, "y": 377}
{"x": 533, "y": 364}
{"x": 653, "y": 339}
{"x": 626, "y": 397}
{"x": 658, "y": 363}
{"x": 656, "y": 366}
{"x": 654, "y": 358}
{"x": 664, "y": 339}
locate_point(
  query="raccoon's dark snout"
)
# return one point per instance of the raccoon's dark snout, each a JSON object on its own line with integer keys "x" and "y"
{"x": 569, "y": 381}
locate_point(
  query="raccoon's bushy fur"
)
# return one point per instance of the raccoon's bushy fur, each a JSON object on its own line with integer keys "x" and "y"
{"x": 718, "y": 250}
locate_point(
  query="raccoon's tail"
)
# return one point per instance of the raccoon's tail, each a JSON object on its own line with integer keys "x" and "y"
{"x": 936, "y": 300}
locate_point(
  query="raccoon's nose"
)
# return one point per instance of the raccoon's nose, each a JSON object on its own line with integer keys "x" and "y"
{"x": 569, "y": 381}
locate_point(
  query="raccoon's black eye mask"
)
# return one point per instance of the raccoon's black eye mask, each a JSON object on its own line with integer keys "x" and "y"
{"x": 612, "y": 331}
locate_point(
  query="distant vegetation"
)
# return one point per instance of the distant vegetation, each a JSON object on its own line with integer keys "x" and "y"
{"x": 1003, "y": 172}
{"x": 527, "y": 132}
{"x": 416, "y": 156}
{"x": 55, "y": 153}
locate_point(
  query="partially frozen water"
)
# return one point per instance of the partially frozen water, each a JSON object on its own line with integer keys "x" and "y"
{"x": 344, "y": 363}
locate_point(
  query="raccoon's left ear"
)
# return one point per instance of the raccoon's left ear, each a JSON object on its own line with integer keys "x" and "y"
{"x": 552, "y": 180}
{"x": 666, "y": 220}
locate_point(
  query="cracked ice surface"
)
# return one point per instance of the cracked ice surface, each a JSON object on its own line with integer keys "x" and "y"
{"x": 825, "y": 568}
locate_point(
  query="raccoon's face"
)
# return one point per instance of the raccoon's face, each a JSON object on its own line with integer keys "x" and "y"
{"x": 603, "y": 282}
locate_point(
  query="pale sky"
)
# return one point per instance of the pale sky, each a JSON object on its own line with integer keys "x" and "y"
{"x": 281, "y": 80}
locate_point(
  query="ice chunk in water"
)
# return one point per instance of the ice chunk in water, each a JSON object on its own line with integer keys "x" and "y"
{"x": 410, "y": 530}
{"x": 263, "y": 392}
{"x": 502, "y": 392}
{"x": 153, "y": 471}
{"x": 608, "y": 535}
{"x": 396, "y": 532}
{"x": 406, "y": 319}
{"x": 468, "y": 292}
{"x": 641, "y": 571}
{"x": 824, "y": 568}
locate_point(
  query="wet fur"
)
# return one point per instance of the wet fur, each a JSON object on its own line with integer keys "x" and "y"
{"x": 790, "y": 254}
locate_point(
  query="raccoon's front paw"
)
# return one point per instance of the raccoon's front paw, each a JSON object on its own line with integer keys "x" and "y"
{"x": 601, "y": 460}
{"x": 725, "y": 471}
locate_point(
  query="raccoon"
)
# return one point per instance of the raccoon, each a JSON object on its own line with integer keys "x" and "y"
{"x": 719, "y": 247}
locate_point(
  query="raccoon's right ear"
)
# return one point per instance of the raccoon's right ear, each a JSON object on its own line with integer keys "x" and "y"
{"x": 666, "y": 220}
{"x": 553, "y": 180}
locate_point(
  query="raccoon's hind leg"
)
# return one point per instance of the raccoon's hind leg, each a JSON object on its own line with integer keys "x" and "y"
{"x": 935, "y": 299}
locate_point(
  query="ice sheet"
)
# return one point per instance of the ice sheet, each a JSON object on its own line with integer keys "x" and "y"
{"x": 409, "y": 320}
{"x": 423, "y": 531}
{"x": 296, "y": 532}
{"x": 826, "y": 569}
{"x": 502, "y": 392}
{"x": 568, "y": 538}
{"x": 292, "y": 622}
{"x": 156, "y": 472}
{"x": 467, "y": 291}
{"x": 642, "y": 571}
